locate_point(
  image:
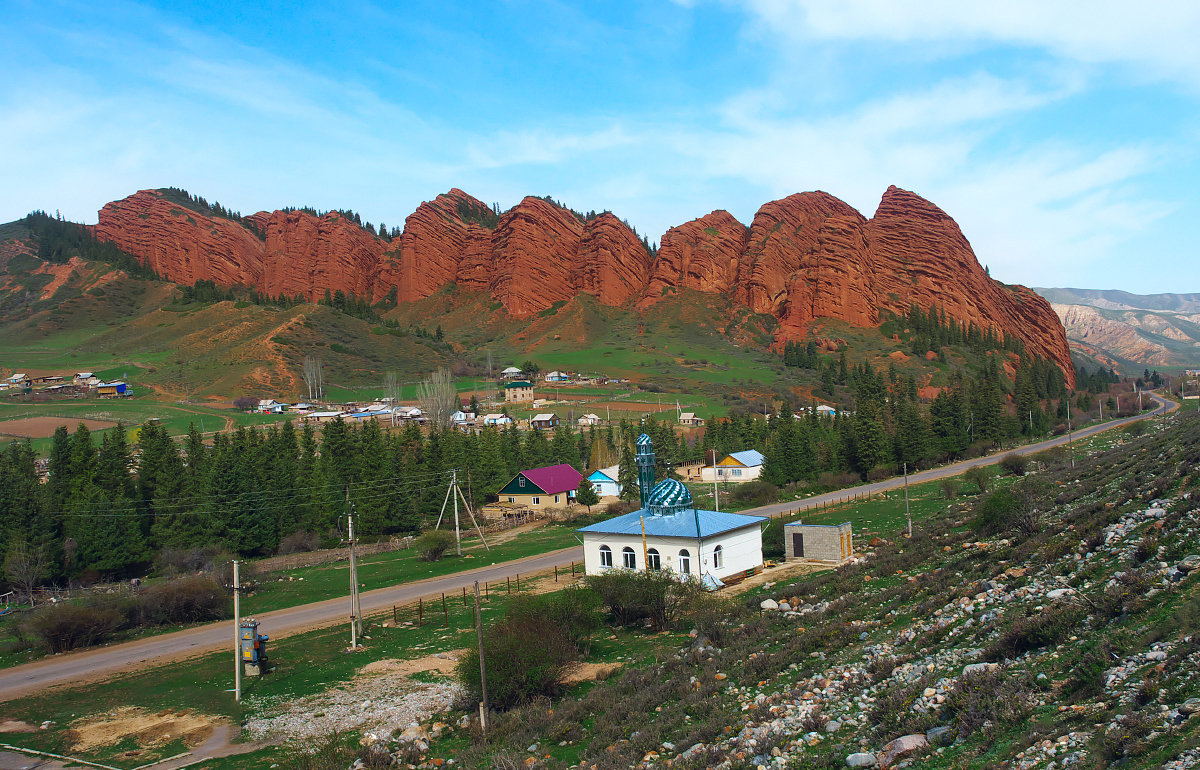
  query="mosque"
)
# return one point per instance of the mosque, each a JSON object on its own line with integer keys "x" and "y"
{"x": 669, "y": 532}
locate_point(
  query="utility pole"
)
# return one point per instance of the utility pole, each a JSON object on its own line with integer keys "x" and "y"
{"x": 355, "y": 607}
{"x": 716, "y": 501}
{"x": 483, "y": 706}
{"x": 1100, "y": 401}
{"x": 907, "y": 511}
{"x": 237, "y": 635}
{"x": 457, "y": 536}
{"x": 455, "y": 491}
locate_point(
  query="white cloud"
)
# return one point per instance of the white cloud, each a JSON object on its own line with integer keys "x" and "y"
{"x": 1159, "y": 37}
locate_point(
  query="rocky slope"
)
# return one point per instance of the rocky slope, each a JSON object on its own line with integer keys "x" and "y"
{"x": 805, "y": 257}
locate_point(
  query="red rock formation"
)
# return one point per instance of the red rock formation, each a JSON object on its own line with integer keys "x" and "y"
{"x": 535, "y": 250}
{"x": 805, "y": 257}
{"x": 702, "y": 254}
{"x": 614, "y": 265}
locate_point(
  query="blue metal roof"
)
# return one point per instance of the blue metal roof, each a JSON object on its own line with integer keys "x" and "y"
{"x": 749, "y": 457}
{"x": 682, "y": 524}
{"x": 601, "y": 475}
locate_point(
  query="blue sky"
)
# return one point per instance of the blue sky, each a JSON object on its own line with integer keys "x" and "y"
{"x": 1061, "y": 136}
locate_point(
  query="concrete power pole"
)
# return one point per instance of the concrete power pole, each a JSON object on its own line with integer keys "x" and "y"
{"x": 355, "y": 607}
{"x": 483, "y": 706}
{"x": 237, "y": 635}
{"x": 907, "y": 511}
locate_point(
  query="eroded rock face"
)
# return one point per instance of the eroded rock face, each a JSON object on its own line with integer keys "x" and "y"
{"x": 805, "y": 257}
{"x": 702, "y": 254}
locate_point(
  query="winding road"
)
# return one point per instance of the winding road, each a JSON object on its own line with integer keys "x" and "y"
{"x": 89, "y": 665}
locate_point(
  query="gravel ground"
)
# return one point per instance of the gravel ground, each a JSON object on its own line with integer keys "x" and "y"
{"x": 378, "y": 704}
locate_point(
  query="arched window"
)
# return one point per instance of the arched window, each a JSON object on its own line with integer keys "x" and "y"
{"x": 605, "y": 556}
{"x": 718, "y": 557}
{"x": 629, "y": 558}
{"x": 652, "y": 560}
{"x": 685, "y": 562}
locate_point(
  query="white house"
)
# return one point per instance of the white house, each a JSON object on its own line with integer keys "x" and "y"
{"x": 669, "y": 532}
{"x": 736, "y": 467}
{"x": 407, "y": 412}
{"x": 689, "y": 419}
{"x": 589, "y": 419}
{"x": 460, "y": 417}
{"x": 511, "y": 373}
{"x": 500, "y": 420}
{"x": 824, "y": 410}
{"x": 604, "y": 481}
{"x": 557, "y": 377}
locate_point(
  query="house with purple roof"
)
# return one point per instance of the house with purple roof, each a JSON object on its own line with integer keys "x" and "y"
{"x": 551, "y": 487}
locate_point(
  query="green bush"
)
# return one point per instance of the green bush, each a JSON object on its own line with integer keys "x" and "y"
{"x": 1048, "y": 627}
{"x": 525, "y": 658}
{"x": 187, "y": 600}
{"x": 575, "y": 611}
{"x": 63, "y": 627}
{"x": 979, "y": 477}
{"x": 658, "y": 596}
{"x": 997, "y": 511}
{"x": 433, "y": 545}
{"x": 1014, "y": 464}
{"x": 755, "y": 493}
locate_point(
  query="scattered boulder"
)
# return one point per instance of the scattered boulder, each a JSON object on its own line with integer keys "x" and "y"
{"x": 940, "y": 735}
{"x": 901, "y": 747}
{"x": 769, "y": 604}
{"x": 1189, "y": 563}
{"x": 1190, "y": 706}
{"x": 861, "y": 759}
{"x": 978, "y": 668}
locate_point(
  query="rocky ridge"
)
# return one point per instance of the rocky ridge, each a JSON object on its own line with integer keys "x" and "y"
{"x": 805, "y": 257}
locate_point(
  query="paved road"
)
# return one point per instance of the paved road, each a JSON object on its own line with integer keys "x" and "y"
{"x": 94, "y": 664}
{"x": 946, "y": 471}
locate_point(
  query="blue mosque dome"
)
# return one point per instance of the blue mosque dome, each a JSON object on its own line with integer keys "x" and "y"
{"x": 668, "y": 498}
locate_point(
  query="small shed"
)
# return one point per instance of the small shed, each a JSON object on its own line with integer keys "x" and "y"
{"x": 546, "y": 421}
{"x": 833, "y": 543}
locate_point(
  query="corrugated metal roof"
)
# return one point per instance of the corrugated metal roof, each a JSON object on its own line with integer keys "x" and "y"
{"x": 682, "y": 524}
{"x": 554, "y": 479}
{"x": 748, "y": 457}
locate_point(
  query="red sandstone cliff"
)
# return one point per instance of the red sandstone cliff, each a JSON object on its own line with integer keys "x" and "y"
{"x": 804, "y": 257}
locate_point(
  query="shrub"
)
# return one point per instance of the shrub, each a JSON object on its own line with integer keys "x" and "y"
{"x": 525, "y": 659}
{"x": 632, "y": 596}
{"x": 186, "y": 600}
{"x": 979, "y": 477}
{"x": 949, "y": 489}
{"x": 63, "y": 627}
{"x": 176, "y": 561}
{"x": 245, "y": 403}
{"x": 432, "y": 545}
{"x": 1014, "y": 464}
{"x": 300, "y": 542}
{"x": 575, "y": 611}
{"x": 755, "y": 493}
{"x": 988, "y": 701}
{"x": 1030, "y": 633}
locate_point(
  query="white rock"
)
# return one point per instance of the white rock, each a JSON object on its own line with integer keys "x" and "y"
{"x": 769, "y": 604}
{"x": 861, "y": 759}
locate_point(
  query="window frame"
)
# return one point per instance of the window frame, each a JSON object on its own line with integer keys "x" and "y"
{"x": 653, "y": 559}
{"x": 606, "y": 560}
{"x": 718, "y": 557}
{"x": 628, "y": 558}
{"x": 685, "y": 561}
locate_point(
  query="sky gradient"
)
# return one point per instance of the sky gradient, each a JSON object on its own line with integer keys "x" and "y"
{"x": 1061, "y": 136}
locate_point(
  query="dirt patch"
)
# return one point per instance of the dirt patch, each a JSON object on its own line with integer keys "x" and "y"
{"x": 147, "y": 728}
{"x": 15, "y": 726}
{"x": 775, "y": 574}
{"x": 626, "y": 406}
{"x": 586, "y": 672}
{"x": 442, "y": 661}
{"x": 44, "y": 427}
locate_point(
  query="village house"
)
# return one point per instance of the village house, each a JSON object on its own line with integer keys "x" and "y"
{"x": 18, "y": 380}
{"x": 462, "y": 418}
{"x": 408, "y": 413}
{"x": 604, "y": 481}
{"x": 546, "y": 421}
{"x": 86, "y": 379}
{"x": 690, "y": 420}
{"x": 824, "y": 410}
{"x": 669, "y": 532}
{"x": 112, "y": 389}
{"x": 589, "y": 419}
{"x": 511, "y": 373}
{"x": 521, "y": 390}
{"x": 551, "y": 487}
{"x": 819, "y": 542}
{"x": 557, "y": 377}
{"x": 736, "y": 467}
{"x": 499, "y": 420}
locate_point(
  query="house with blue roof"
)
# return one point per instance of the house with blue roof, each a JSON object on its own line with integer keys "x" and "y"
{"x": 736, "y": 467}
{"x": 604, "y": 481}
{"x": 669, "y": 532}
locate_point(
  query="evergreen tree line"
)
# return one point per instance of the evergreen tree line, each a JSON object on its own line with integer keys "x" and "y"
{"x": 933, "y": 330}
{"x": 58, "y": 240}
{"x": 215, "y": 209}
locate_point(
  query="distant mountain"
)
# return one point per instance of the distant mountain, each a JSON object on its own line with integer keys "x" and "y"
{"x": 1127, "y": 331}
{"x": 1115, "y": 299}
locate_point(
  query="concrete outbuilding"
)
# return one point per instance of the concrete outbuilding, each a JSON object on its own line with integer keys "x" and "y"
{"x": 832, "y": 543}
